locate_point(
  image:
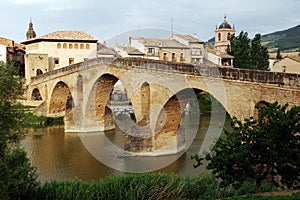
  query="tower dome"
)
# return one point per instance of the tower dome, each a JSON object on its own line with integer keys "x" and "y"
{"x": 225, "y": 24}
{"x": 30, "y": 32}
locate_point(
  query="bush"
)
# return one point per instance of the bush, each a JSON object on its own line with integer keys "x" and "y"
{"x": 18, "y": 179}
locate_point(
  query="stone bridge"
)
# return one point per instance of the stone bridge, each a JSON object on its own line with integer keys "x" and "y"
{"x": 159, "y": 92}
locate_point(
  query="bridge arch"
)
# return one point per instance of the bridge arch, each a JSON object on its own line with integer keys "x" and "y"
{"x": 97, "y": 113}
{"x": 36, "y": 95}
{"x": 61, "y": 101}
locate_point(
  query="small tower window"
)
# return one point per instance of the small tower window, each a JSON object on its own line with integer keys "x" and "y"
{"x": 71, "y": 61}
{"x": 81, "y": 46}
{"x": 87, "y": 46}
{"x": 65, "y": 45}
{"x": 219, "y": 36}
{"x": 76, "y": 46}
{"x": 59, "y": 45}
{"x": 56, "y": 61}
{"x": 70, "y": 46}
{"x": 228, "y": 36}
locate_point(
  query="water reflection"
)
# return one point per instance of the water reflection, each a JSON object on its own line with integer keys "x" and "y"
{"x": 58, "y": 155}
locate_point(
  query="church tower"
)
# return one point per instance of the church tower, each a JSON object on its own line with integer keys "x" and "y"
{"x": 222, "y": 36}
{"x": 30, "y": 32}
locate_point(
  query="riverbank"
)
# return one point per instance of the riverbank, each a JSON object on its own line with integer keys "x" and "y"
{"x": 151, "y": 186}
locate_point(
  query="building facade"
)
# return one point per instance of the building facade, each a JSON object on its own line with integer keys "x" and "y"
{"x": 218, "y": 55}
{"x": 57, "y": 49}
{"x": 196, "y": 46}
{"x": 288, "y": 64}
{"x": 14, "y": 53}
{"x": 157, "y": 49}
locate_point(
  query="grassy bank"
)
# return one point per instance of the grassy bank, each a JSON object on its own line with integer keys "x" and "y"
{"x": 148, "y": 186}
{"x": 32, "y": 120}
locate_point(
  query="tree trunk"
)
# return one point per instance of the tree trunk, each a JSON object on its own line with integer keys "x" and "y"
{"x": 258, "y": 186}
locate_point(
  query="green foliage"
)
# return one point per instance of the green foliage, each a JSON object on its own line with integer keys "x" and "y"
{"x": 18, "y": 179}
{"x": 278, "y": 55}
{"x": 284, "y": 40}
{"x": 32, "y": 120}
{"x": 294, "y": 196}
{"x": 260, "y": 150}
{"x": 259, "y": 56}
{"x": 17, "y": 176}
{"x": 141, "y": 186}
{"x": 11, "y": 115}
{"x": 248, "y": 54}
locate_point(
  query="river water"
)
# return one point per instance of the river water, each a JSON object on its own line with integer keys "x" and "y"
{"x": 59, "y": 155}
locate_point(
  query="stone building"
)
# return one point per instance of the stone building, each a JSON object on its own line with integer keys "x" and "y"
{"x": 14, "y": 53}
{"x": 219, "y": 55}
{"x": 196, "y": 46}
{"x": 55, "y": 50}
{"x": 288, "y": 64}
{"x": 157, "y": 49}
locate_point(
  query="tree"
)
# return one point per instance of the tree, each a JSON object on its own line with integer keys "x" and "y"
{"x": 278, "y": 55}
{"x": 262, "y": 149}
{"x": 240, "y": 49}
{"x": 248, "y": 54}
{"x": 17, "y": 176}
{"x": 259, "y": 57}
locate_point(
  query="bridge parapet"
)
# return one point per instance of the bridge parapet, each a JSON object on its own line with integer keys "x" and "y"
{"x": 279, "y": 78}
{"x": 72, "y": 68}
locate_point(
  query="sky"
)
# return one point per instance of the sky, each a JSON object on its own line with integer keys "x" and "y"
{"x": 112, "y": 19}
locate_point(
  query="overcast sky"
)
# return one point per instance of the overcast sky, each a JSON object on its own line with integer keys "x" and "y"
{"x": 106, "y": 19}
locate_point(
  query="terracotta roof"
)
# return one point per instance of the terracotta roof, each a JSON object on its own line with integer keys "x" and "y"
{"x": 293, "y": 57}
{"x": 218, "y": 53}
{"x": 6, "y": 42}
{"x": 130, "y": 50}
{"x": 189, "y": 38}
{"x": 68, "y": 35}
{"x": 165, "y": 43}
{"x": 63, "y": 35}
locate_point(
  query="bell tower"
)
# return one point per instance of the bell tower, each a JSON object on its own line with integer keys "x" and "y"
{"x": 222, "y": 36}
{"x": 30, "y": 32}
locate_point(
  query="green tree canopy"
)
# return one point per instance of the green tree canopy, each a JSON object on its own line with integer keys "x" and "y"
{"x": 261, "y": 149}
{"x": 17, "y": 176}
{"x": 248, "y": 54}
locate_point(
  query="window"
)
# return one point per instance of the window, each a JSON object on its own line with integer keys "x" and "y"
{"x": 58, "y": 45}
{"x": 165, "y": 56}
{"x": 219, "y": 36}
{"x": 181, "y": 57}
{"x": 76, "y": 46}
{"x": 196, "y": 51}
{"x": 81, "y": 46}
{"x": 151, "y": 51}
{"x": 87, "y": 46}
{"x": 39, "y": 72}
{"x": 56, "y": 61}
{"x": 71, "y": 61}
{"x": 173, "y": 57}
{"x": 65, "y": 45}
{"x": 228, "y": 36}
{"x": 70, "y": 46}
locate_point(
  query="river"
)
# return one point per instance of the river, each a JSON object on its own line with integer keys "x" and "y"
{"x": 59, "y": 155}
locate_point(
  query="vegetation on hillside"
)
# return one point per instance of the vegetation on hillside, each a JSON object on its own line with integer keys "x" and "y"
{"x": 284, "y": 40}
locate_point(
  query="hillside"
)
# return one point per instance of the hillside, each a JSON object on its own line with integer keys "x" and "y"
{"x": 284, "y": 40}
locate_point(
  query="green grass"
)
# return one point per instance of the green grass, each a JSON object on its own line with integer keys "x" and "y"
{"x": 143, "y": 186}
{"x": 32, "y": 120}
